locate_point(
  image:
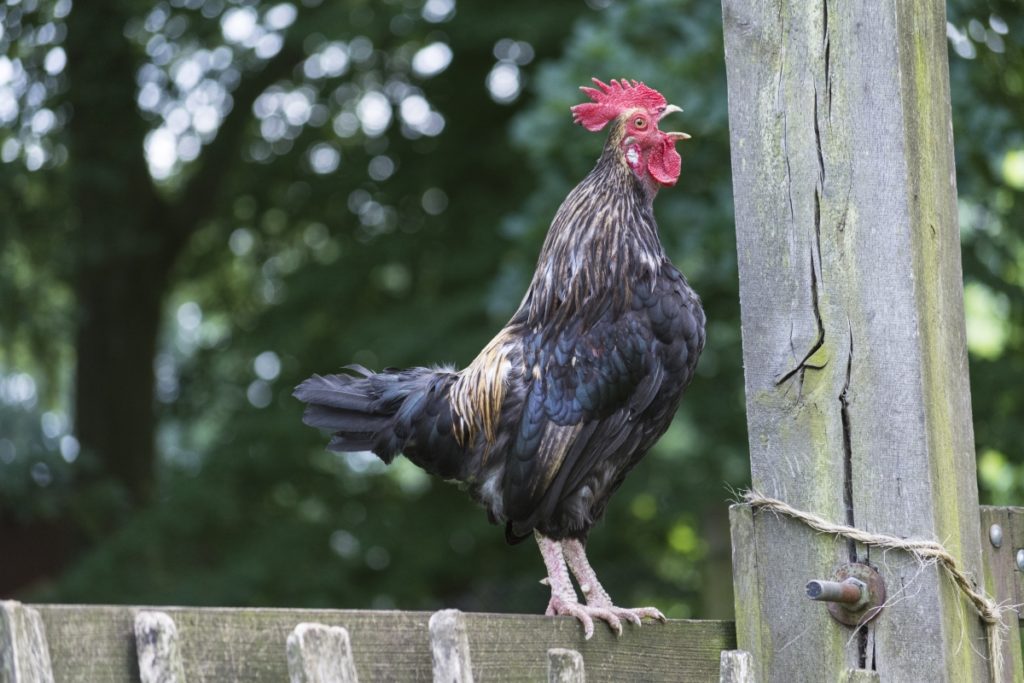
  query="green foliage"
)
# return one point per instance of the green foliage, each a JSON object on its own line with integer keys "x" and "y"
{"x": 987, "y": 80}
{"x": 413, "y": 250}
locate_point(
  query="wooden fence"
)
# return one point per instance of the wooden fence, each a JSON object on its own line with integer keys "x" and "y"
{"x": 122, "y": 644}
{"x": 129, "y": 644}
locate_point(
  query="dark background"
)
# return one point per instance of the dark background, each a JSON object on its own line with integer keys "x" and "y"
{"x": 204, "y": 201}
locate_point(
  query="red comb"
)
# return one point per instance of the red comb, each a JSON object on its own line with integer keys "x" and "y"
{"x": 611, "y": 100}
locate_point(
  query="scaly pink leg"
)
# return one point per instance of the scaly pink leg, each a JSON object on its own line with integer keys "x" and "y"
{"x": 576, "y": 556}
{"x": 563, "y": 595}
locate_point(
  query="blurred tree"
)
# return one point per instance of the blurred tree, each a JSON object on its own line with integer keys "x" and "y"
{"x": 987, "y": 79}
{"x": 163, "y": 125}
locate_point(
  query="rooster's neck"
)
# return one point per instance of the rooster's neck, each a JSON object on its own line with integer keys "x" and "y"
{"x": 602, "y": 244}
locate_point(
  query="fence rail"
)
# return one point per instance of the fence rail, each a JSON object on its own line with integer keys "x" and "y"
{"x": 113, "y": 644}
{"x": 118, "y": 644}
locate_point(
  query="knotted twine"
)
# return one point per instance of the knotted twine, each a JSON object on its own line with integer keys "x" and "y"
{"x": 925, "y": 551}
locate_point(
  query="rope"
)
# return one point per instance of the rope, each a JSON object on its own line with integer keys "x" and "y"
{"x": 925, "y": 551}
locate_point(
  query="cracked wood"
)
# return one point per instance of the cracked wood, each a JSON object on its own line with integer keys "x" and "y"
{"x": 847, "y": 241}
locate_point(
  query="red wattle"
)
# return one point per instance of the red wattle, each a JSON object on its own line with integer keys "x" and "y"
{"x": 664, "y": 162}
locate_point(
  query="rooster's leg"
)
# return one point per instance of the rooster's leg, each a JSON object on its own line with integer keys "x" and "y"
{"x": 563, "y": 595}
{"x": 576, "y": 556}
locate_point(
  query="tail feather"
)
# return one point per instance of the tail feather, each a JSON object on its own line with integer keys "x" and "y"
{"x": 333, "y": 419}
{"x": 366, "y": 411}
{"x": 336, "y": 391}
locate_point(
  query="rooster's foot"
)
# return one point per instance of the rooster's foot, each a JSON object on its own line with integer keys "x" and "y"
{"x": 586, "y": 614}
{"x": 597, "y": 597}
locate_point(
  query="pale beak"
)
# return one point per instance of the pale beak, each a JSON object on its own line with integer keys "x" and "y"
{"x": 669, "y": 110}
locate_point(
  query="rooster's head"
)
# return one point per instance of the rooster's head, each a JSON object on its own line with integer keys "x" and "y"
{"x": 648, "y": 151}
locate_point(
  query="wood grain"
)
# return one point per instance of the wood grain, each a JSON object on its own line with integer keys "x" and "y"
{"x": 225, "y": 644}
{"x": 1013, "y": 541}
{"x": 1002, "y": 582}
{"x": 24, "y": 651}
{"x": 156, "y": 648}
{"x": 736, "y": 667}
{"x": 320, "y": 654}
{"x": 449, "y": 647}
{"x": 858, "y": 402}
{"x": 565, "y": 666}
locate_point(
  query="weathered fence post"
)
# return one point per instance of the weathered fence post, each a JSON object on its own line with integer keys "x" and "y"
{"x": 565, "y": 666}
{"x": 24, "y": 651}
{"x": 320, "y": 654}
{"x": 858, "y": 401}
{"x": 157, "y": 649}
{"x": 449, "y": 647}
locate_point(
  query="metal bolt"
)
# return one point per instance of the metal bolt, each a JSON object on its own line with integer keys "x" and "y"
{"x": 855, "y": 595}
{"x": 995, "y": 534}
{"x": 848, "y": 592}
{"x": 1020, "y": 559}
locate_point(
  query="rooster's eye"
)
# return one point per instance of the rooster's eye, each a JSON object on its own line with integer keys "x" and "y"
{"x": 640, "y": 123}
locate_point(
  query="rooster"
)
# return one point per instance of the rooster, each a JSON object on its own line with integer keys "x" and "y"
{"x": 547, "y": 421}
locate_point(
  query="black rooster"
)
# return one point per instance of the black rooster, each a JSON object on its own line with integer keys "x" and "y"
{"x": 546, "y": 422}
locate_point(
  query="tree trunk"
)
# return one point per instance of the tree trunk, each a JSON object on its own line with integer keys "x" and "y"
{"x": 122, "y": 256}
{"x": 116, "y": 341}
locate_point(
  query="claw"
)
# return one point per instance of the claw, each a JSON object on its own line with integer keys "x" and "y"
{"x": 650, "y": 613}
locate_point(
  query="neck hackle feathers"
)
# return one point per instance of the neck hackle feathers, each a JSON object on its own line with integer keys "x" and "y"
{"x": 610, "y": 100}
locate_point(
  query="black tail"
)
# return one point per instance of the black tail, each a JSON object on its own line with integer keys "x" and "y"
{"x": 368, "y": 411}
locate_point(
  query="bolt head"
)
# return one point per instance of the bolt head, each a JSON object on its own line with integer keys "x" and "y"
{"x": 1020, "y": 559}
{"x": 995, "y": 534}
{"x": 872, "y": 589}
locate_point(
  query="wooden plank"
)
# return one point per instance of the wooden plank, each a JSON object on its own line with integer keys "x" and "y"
{"x": 751, "y": 626}
{"x": 1014, "y": 542}
{"x": 1001, "y": 579}
{"x": 449, "y": 647}
{"x": 320, "y": 654}
{"x": 737, "y": 666}
{"x": 156, "y": 647}
{"x": 858, "y": 402}
{"x": 513, "y": 647}
{"x": 565, "y": 666}
{"x": 24, "y": 650}
{"x": 222, "y": 644}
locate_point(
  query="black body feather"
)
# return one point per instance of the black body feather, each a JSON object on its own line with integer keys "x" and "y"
{"x": 545, "y": 424}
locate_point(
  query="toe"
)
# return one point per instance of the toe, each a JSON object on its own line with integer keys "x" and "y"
{"x": 559, "y": 607}
{"x": 631, "y": 616}
{"x": 650, "y": 613}
{"x": 647, "y": 612}
{"x": 609, "y": 616}
{"x": 585, "y": 619}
